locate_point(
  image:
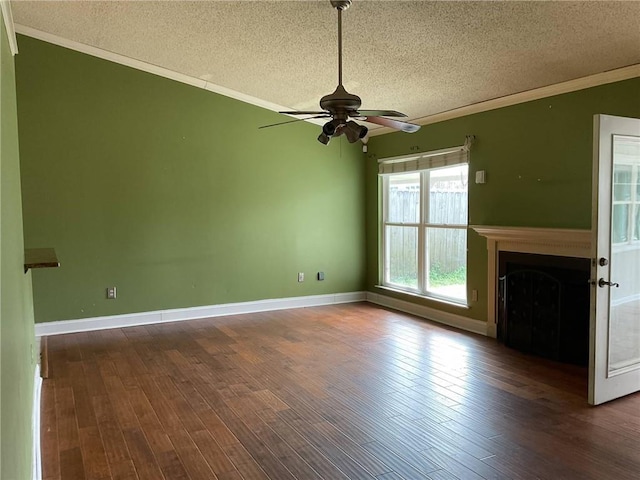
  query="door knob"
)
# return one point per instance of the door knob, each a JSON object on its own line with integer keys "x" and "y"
{"x": 602, "y": 282}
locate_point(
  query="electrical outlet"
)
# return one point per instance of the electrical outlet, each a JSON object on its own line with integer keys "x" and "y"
{"x": 320, "y": 276}
{"x": 300, "y": 277}
{"x": 111, "y": 293}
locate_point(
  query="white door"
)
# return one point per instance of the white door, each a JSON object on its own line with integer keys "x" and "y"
{"x": 614, "y": 351}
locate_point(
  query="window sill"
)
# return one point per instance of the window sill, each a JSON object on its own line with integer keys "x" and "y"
{"x": 441, "y": 300}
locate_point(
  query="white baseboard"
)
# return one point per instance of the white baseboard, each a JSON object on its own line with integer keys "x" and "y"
{"x": 451, "y": 319}
{"x": 36, "y": 471}
{"x": 192, "y": 313}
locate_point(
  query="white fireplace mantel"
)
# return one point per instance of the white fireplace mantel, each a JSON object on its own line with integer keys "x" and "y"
{"x": 544, "y": 241}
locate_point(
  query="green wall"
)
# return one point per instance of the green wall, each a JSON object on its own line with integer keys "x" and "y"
{"x": 173, "y": 195}
{"x": 16, "y": 307}
{"x": 537, "y": 157}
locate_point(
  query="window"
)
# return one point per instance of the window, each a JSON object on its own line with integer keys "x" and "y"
{"x": 626, "y": 191}
{"x": 424, "y": 224}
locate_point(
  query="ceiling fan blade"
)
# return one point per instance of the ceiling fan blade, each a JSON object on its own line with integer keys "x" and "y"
{"x": 397, "y": 124}
{"x": 379, "y": 113}
{"x": 293, "y": 121}
{"x": 304, "y": 112}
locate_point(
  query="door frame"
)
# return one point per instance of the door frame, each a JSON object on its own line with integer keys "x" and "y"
{"x": 602, "y": 385}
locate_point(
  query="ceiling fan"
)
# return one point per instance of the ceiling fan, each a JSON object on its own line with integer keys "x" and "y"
{"x": 341, "y": 105}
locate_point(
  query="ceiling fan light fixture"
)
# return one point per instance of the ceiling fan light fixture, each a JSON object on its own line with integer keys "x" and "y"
{"x": 342, "y": 105}
{"x": 329, "y": 129}
{"x": 324, "y": 139}
{"x": 355, "y": 132}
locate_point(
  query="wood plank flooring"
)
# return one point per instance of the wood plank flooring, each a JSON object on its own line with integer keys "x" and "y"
{"x": 337, "y": 392}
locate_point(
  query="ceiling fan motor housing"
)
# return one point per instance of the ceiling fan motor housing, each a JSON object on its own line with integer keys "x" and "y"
{"x": 342, "y": 105}
{"x": 340, "y": 102}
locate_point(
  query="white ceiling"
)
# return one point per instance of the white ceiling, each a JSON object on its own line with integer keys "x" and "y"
{"x": 418, "y": 57}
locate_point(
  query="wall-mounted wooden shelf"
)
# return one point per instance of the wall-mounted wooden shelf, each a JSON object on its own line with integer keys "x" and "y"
{"x": 40, "y": 258}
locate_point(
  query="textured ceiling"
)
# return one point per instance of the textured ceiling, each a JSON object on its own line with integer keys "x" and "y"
{"x": 420, "y": 58}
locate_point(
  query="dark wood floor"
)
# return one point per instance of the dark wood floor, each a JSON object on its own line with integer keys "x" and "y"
{"x": 337, "y": 392}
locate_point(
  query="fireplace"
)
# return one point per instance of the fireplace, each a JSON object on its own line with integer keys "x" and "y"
{"x": 543, "y": 305}
{"x": 556, "y": 242}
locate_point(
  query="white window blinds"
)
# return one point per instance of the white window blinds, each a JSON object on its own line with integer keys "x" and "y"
{"x": 427, "y": 160}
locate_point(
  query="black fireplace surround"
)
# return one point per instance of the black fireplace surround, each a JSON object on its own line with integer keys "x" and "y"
{"x": 543, "y": 305}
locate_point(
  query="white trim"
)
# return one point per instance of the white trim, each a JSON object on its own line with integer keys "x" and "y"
{"x": 602, "y": 385}
{"x": 418, "y": 295}
{"x": 603, "y": 78}
{"x": 36, "y": 471}
{"x": 611, "y": 76}
{"x": 451, "y": 319}
{"x": 110, "y": 56}
{"x": 150, "y": 68}
{"x": 409, "y": 157}
{"x": 544, "y": 241}
{"x": 466, "y": 147}
{"x": 7, "y": 16}
{"x": 191, "y": 313}
{"x": 547, "y": 241}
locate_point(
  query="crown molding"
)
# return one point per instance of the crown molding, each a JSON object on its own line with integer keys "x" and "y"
{"x": 149, "y": 68}
{"x": 7, "y": 16}
{"x": 611, "y": 76}
{"x": 603, "y": 78}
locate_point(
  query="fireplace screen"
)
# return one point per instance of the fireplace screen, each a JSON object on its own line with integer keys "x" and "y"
{"x": 544, "y": 306}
